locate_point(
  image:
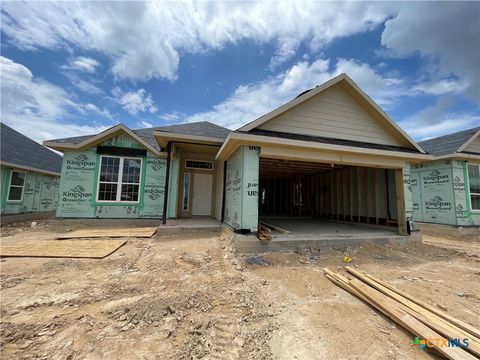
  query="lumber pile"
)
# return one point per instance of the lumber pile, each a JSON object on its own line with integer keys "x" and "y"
{"x": 264, "y": 233}
{"x": 417, "y": 317}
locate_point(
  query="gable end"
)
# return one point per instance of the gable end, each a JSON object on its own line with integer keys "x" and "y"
{"x": 335, "y": 113}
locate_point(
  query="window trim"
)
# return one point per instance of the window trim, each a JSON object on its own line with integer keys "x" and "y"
{"x": 119, "y": 182}
{"x": 470, "y": 193}
{"x": 201, "y": 169}
{"x": 10, "y": 185}
{"x": 183, "y": 191}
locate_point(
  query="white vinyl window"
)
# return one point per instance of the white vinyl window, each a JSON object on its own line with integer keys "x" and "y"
{"x": 186, "y": 191}
{"x": 474, "y": 182}
{"x": 119, "y": 179}
{"x": 17, "y": 182}
{"x": 199, "y": 164}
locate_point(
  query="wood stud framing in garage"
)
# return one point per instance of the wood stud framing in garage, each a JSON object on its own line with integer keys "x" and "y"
{"x": 348, "y": 193}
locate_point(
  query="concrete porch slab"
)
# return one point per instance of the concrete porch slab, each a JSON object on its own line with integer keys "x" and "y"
{"x": 298, "y": 233}
{"x": 189, "y": 225}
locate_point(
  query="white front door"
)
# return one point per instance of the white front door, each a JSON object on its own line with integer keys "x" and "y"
{"x": 202, "y": 194}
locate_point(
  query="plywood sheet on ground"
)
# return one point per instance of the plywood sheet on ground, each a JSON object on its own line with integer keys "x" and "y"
{"x": 110, "y": 232}
{"x": 95, "y": 249}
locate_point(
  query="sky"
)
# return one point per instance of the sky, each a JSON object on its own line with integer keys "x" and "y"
{"x": 76, "y": 68}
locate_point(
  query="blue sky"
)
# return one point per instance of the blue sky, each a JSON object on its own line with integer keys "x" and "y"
{"x": 72, "y": 68}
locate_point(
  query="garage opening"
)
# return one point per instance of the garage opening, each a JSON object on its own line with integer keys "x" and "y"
{"x": 299, "y": 195}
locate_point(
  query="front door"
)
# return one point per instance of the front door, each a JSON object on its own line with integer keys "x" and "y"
{"x": 202, "y": 194}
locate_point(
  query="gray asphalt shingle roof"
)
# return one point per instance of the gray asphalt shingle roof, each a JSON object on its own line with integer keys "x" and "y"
{"x": 332, "y": 141}
{"x": 202, "y": 128}
{"x": 447, "y": 144}
{"x": 22, "y": 151}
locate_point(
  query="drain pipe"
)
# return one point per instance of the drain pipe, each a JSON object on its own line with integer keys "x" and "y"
{"x": 167, "y": 179}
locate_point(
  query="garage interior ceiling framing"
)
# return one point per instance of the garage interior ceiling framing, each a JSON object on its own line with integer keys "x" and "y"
{"x": 278, "y": 167}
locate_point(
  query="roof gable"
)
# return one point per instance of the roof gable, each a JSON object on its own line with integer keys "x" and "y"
{"x": 472, "y": 145}
{"x": 120, "y": 135}
{"x": 19, "y": 150}
{"x": 122, "y": 140}
{"x": 337, "y": 109}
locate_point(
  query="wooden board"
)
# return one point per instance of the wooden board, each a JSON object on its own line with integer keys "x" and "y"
{"x": 407, "y": 321}
{"x": 110, "y": 232}
{"x": 94, "y": 249}
{"x": 461, "y": 324}
{"x": 430, "y": 319}
{"x": 408, "y": 318}
{"x": 274, "y": 227}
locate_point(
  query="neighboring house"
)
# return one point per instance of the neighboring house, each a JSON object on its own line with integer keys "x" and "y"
{"x": 330, "y": 153}
{"x": 447, "y": 190}
{"x": 30, "y": 174}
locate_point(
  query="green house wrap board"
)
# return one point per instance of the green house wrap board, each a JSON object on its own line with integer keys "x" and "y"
{"x": 40, "y": 192}
{"x": 250, "y": 187}
{"x": 76, "y": 195}
{"x": 123, "y": 140}
{"x": 416, "y": 200}
{"x": 233, "y": 190}
{"x": 154, "y": 188}
{"x": 241, "y": 189}
{"x": 79, "y": 185}
{"x": 462, "y": 201}
{"x": 440, "y": 193}
{"x": 173, "y": 184}
{"x": 408, "y": 191}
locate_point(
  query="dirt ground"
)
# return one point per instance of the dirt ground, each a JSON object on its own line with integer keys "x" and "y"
{"x": 192, "y": 297}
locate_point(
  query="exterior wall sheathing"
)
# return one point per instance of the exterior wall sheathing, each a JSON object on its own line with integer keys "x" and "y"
{"x": 441, "y": 194}
{"x": 241, "y": 189}
{"x": 79, "y": 182}
{"x": 40, "y": 192}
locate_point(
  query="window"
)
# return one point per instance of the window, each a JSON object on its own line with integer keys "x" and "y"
{"x": 119, "y": 179}
{"x": 186, "y": 191}
{"x": 474, "y": 181}
{"x": 17, "y": 181}
{"x": 199, "y": 164}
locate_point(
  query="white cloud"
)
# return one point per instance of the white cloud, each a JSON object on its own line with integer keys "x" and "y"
{"x": 441, "y": 87}
{"x": 83, "y": 85}
{"x": 251, "y": 101}
{"x": 164, "y": 30}
{"x": 436, "y": 120}
{"x": 83, "y": 63}
{"x": 445, "y": 33}
{"x": 145, "y": 124}
{"x": 34, "y": 106}
{"x": 174, "y": 116}
{"x": 135, "y": 101}
{"x": 101, "y": 111}
{"x": 385, "y": 90}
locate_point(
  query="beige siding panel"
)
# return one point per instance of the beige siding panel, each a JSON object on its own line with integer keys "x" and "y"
{"x": 474, "y": 146}
{"x": 334, "y": 114}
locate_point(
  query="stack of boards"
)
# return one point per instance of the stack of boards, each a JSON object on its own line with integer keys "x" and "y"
{"x": 419, "y": 318}
{"x": 264, "y": 233}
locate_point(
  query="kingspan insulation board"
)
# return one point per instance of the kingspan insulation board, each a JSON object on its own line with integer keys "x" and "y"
{"x": 241, "y": 189}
